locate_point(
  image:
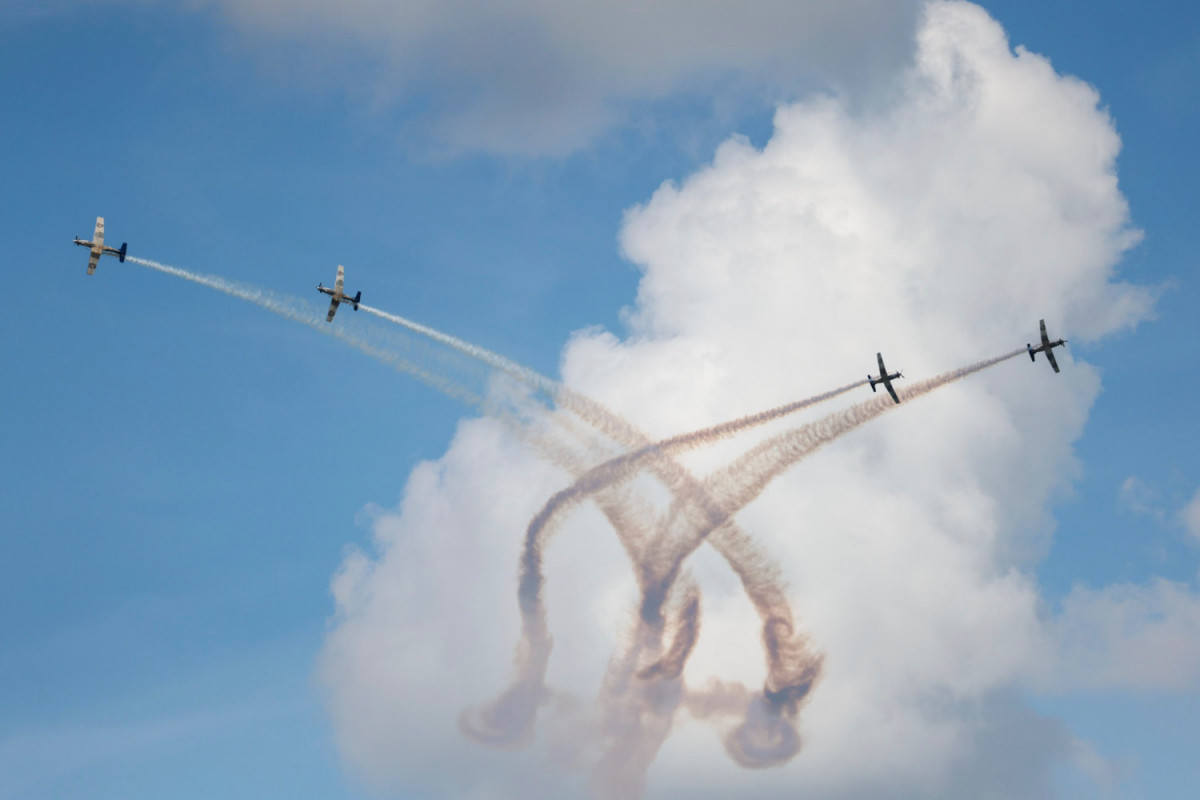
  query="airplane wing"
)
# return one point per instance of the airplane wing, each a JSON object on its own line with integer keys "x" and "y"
{"x": 882, "y": 368}
{"x": 340, "y": 281}
{"x": 98, "y": 236}
{"x": 93, "y": 260}
{"x": 1050, "y": 353}
{"x": 1045, "y": 337}
{"x": 891, "y": 390}
{"x": 333, "y": 306}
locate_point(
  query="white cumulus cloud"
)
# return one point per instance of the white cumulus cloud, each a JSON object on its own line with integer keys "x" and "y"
{"x": 937, "y": 227}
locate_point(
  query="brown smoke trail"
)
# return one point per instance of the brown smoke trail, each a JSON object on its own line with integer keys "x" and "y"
{"x": 624, "y": 467}
{"x": 786, "y": 648}
{"x": 767, "y": 734}
{"x": 510, "y": 718}
{"x": 736, "y": 485}
{"x": 733, "y": 487}
{"x": 687, "y": 631}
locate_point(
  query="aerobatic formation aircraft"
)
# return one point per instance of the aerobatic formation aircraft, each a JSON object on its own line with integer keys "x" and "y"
{"x": 98, "y": 248}
{"x": 885, "y": 378}
{"x": 1046, "y": 347}
{"x": 338, "y": 294}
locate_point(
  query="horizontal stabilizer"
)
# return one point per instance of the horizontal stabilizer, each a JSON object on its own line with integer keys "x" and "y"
{"x": 121, "y": 252}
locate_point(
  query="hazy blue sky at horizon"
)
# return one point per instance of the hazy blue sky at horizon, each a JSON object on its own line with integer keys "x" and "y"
{"x": 183, "y": 473}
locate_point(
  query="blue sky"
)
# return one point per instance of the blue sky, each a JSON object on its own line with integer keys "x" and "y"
{"x": 183, "y": 473}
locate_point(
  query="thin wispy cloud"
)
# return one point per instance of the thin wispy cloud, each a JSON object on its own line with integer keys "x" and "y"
{"x": 540, "y": 77}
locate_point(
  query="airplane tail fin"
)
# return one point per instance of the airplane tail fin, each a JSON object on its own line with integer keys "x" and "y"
{"x": 121, "y": 252}
{"x": 357, "y": 297}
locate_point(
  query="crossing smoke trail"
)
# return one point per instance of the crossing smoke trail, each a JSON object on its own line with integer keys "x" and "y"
{"x": 768, "y": 733}
{"x": 509, "y": 720}
{"x": 522, "y": 699}
{"x": 638, "y": 703}
{"x": 734, "y": 486}
{"x": 622, "y": 468}
{"x": 524, "y": 696}
{"x": 792, "y": 667}
{"x": 786, "y": 650}
{"x": 625, "y": 466}
{"x": 643, "y": 687}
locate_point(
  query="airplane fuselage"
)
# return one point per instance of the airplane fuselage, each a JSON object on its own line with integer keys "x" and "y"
{"x": 1043, "y": 348}
{"x": 339, "y": 296}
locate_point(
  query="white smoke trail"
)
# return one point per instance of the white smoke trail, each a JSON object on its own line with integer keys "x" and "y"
{"x": 284, "y": 306}
{"x": 522, "y": 373}
{"x": 298, "y": 311}
{"x": 587, "y": 409}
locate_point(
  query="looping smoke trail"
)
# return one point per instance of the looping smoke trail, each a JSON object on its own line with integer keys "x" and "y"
{"x": 510, "y": 717}
{"x": 687, "y": 631}
{"x": 508, "y": 721}
{"x": 637, "y": 713}
{"x": 792, "y": 668}
{"x": 624, "y": 467}
{"x": 767, "y": 737}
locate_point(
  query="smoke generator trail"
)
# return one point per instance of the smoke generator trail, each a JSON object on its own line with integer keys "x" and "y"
{"x": 644, "y": 688}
